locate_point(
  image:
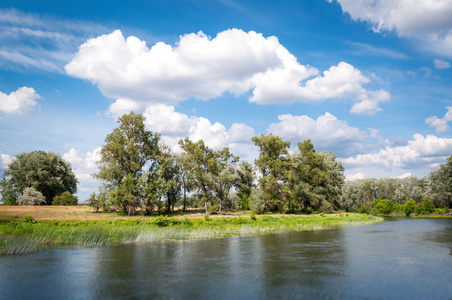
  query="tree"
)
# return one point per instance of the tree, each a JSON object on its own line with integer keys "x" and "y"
{"x": 274, "y": 167}
{"x": 245, "y": 184}
{"x": 439, "y": 185}
{"x": 202, "y": 159}
{"x": 185, "y": 175}
{"x": 46, "y": 172}
{"x": 65, "y": 199}
{"x": 130, "y": 152}
{"x": 31, "y": 197}
{"x": 409, "y": 207}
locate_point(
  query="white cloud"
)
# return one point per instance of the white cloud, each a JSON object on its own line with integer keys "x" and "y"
{"x": 327, "y": 132}
{"x": 6, "y": 160}
{"x": 425, "y": 153}
{"x": 19, "y": 102}
{"x": 441, "y": 64}
{"x": 175, "y": 126}
{"x": 405, "y": 175}
{"x": 426, "y": 20}
{"x": 83, "y": 164}
{"x": 356, "y": 176}
{"x": 440, "y": 125}
{"x": 202, "y": 67}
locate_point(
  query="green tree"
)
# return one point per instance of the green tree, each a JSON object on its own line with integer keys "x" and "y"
{"x": 427, "y": 206}
{"x": 202, "y": 160}
{"x": 409, "y": 207}
{"x": 439, "y": 185}
{"x": 66, "y": 199}
{"x": 384, "y": 206}
{"x": 245, "y": 184}
{"x": 129, "y": 154}
{"x": 185, "y": 175}
{"x": 31, "y": 197}
{"x": 275, "y": 168}
{"x": 46, "y": 172}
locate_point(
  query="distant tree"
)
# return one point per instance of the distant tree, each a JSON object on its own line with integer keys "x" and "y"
{"x": 46, "y": 172}
{"x": 65, "y": 199}
{"x": 439, "y": 185}
{"x": 427, "y": 206}
{"x": 31, "y": 197}
{"x": 384, "y": 206}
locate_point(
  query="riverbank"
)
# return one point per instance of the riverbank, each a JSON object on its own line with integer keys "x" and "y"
{"x": 30, "y": 235}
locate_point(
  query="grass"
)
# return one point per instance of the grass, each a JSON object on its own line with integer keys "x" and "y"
{"x": 30, "y": 235}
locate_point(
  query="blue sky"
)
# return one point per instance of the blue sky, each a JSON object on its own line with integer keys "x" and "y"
{"x": 368, "y": 80}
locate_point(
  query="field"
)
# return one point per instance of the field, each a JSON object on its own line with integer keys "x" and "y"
{"x": 30, "y": 229}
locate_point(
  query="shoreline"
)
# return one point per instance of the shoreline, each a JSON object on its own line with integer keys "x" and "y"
{"x": 30, "y": 235}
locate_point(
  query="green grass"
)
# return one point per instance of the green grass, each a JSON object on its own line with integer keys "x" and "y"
{"x": 30, "y": 236}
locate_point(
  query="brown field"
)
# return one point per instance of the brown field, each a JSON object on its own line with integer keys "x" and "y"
{"x": 78, "y": 213}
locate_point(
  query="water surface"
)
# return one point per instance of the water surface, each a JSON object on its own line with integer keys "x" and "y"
{"x": 398, "y": 259}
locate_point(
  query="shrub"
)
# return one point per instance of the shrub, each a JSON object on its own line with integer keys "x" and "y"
{"x": 409, "y": 207}
{"x": 253, "y": 216}
{"x": 257, "y": 204}
{"x": 31, "y": 197}
{"x": 206, "y": 217}
{"x": 384, "y": 206}
{"x": 428, "y": 206}
{"x": 29, "y": 220}
{"x": 214, "y": 208}
{"x": 326, "y": 207}
{"x": 66, "y": 199}
{"x": 244, "y": 202}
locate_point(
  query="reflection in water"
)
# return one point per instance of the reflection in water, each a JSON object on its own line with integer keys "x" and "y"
{"x": 400, "y": 258}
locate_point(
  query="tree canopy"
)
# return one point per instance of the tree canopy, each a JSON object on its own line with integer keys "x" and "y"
{"x": 46, "y": 172}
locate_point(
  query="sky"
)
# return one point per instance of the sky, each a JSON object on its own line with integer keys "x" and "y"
{"x": 369, "y": 80}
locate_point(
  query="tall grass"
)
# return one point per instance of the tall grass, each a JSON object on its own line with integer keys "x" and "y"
{"x": 30, "y": 236}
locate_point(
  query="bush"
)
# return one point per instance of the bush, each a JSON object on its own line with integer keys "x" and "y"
{"x": 428, "y": 206}
{"x": 326, "y": 207}
{"x": 244, "y": 202}
{"x": 253, "y": 216}
{"x": 257, "y": 204}
{"x": 65, "y": 199}
{"x": 31, "y": 197}
{"x": 384, "y": 206}
{"x": 214, "y": 208}
{"x": 409, "y": 207}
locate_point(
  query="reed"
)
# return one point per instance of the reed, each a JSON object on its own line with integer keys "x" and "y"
{"x": 30, "y": 236}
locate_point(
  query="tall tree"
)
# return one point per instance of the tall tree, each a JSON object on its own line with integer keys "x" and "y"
{"x": 202, "y": 160}
{"x": 46, "y": 172}
{"x": 129, "y": 151}
{"x": 274, "y": 167}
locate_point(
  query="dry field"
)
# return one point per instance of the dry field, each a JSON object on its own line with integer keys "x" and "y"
{"x": 74, "y": 213}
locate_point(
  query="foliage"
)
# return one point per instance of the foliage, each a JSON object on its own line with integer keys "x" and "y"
{"x": 128, "y": 159}
{"x": 31, "y": 197}
{"x": 427, "y": 206}
{"x": 47, "y": 173}
{"x": 66, "y": 199}
{"x": 257, "y": 202}
{"x": 409, "y": 207}
{"x": 384, "y": 206}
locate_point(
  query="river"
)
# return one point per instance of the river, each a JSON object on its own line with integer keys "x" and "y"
{"x": 401, "y": 258}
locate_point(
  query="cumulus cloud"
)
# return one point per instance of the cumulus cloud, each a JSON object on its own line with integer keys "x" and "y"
{"x": 19, "y": 102}
{"x": 353, "y": 177}
{"x": 426, "y": 20}
{"x": 175, "y": 126}
{"x": 327, "y": 132}
{"x": 83, "y": 164}
{"x": 6, "y": 160}
{"x": 202, "y": 67}
{"x": 421, "y": 152}
{"x": 441, "y": 64}
{"x": 440, "y": 124}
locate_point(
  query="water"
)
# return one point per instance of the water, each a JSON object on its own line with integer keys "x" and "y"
{"x": 398, "y": 259}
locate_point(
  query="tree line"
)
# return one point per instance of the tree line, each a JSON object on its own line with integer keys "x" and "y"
{"x": 139, "y": 173}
